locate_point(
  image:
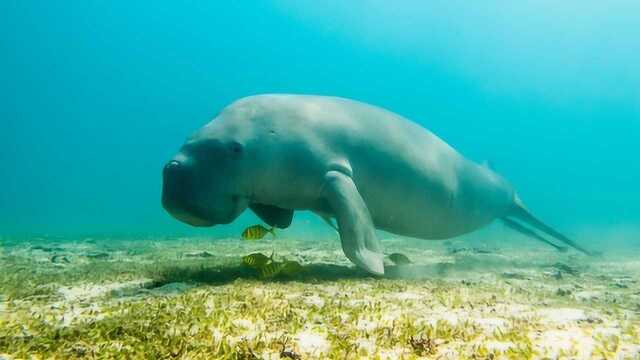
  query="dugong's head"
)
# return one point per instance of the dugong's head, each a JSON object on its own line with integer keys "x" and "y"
{"x": 203, "y": 183}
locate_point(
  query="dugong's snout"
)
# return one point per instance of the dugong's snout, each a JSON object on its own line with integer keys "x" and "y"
{"x": 199, "y": 186}
{"x": 178, "y": 195}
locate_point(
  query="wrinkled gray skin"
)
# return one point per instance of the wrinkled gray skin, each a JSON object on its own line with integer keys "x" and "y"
{"x": 365, "y": 166}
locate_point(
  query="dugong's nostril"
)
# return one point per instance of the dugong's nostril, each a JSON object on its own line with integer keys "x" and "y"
{"x": 172, "y": 165}
{"x": 175, "y": 185}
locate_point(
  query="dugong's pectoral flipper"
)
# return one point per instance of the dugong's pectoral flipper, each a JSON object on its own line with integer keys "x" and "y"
{"x": 357, "y": 233}
{"x": 273, "y": 215}
{"x": 327, "y": 219}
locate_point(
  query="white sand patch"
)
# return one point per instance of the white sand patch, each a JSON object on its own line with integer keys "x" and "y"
{"x": 233, "y": 340}
{"x": 248, "y": 330}
{"x": 344, "y": 317}
{"x": 451, "y": 319}
{"x": 448, "y": 354}
{"x": 216, "y": 335}
{"x": 492, "y": 324}
{"x": 587, "y": 295}
{"x": 514, "y": 310}
{"x": 78, "y": 313}
{"x": 69, "y": 316}
{"x": 445, "y": 315}
{"x": 91, "y": 291}
{"x": 406, "y": 295}
{"x": 171, "y": 288}
{"x": 292, "y": 295}
{"x": 607, "y": 332}
{"x": 270, "y": 355}
{"x": 312, "y": 343}
{"x": 243, "y": 324}
{"x": 209, "y": 306}
{"x": 501, "y": 346}
{"x": 364, "y": 287}
{"x": 358, "y": 302}
{"x": 366, "y": 345}
{"x": 366, "y": 325}
{"x": 332, "y": 291}
{"x": 562, "y": 316}
{"x": 314, "y": 300}
{"x": 628, "y": 351}
{"x": 553, "y": 343}
{"x": 389, "y": 317}
{"x": 272, "y": 335}
{"x": 392, "y": 354}
{"x": 258, "y": 292}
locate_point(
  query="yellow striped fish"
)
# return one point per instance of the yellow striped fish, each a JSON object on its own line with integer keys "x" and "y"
{"x": 291, "y": 268}
{"x": 256, "y": 260}
{"x": 271, "y": 269}
{"x": 256, "y": 232}
{"x": 276, "y": 268}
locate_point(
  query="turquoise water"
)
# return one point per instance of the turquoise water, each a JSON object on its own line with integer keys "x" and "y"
{"x": 97, "y": 95}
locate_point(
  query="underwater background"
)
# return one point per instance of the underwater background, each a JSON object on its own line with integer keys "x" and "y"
{"x": 97, "y": 95}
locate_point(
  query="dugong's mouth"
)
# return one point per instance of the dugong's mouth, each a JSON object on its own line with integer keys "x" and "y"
{"x": 190, "y": 218}
{"x": 178, "y": 196}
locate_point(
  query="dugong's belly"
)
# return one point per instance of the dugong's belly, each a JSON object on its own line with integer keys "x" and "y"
{"x": 426, "y": 207}
{"x": 436, "y": 195}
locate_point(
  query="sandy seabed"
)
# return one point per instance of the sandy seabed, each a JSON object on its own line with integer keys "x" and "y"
{"x": 191, "y": 298}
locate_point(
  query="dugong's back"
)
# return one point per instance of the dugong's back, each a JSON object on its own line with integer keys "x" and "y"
{"x": 413, "y": 183}
{"x": 350, "y": 124}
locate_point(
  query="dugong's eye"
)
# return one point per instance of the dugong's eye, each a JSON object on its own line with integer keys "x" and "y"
{"x": 235, "y": 147}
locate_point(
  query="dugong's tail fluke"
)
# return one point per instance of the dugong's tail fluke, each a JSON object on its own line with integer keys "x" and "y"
{"x": 528, "y": 232}
{"x": 521, "y": 213}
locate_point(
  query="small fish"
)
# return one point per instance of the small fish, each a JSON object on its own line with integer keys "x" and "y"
{"x": 291, "y": 268}
{"x": 59, "y": 259}
{"x": 566, "y": 268}
{"x": 46, "y": 249}
{"x": 98, "y": 256}
{"x": 290, "y": 355}
{"x": 199, "y": 254}
{"x": 271, "y": 269}
{"x": 399, "y": 259}
{"x": 277, "y": 268}
{"x": 256, "y": 260}
{"x": 256, "y": 232}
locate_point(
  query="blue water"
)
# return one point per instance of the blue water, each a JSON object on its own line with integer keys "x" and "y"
{"x": 96, "y": 95}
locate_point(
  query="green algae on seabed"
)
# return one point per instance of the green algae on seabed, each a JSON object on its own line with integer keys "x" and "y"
{"x": 157, "y": 303}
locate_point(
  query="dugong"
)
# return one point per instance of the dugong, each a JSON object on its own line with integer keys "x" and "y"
{"x": 367, "y": 167}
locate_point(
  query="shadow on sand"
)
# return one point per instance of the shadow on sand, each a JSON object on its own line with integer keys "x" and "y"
{"x": 315, "y": 273}
{"x": 220, "y": 275}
